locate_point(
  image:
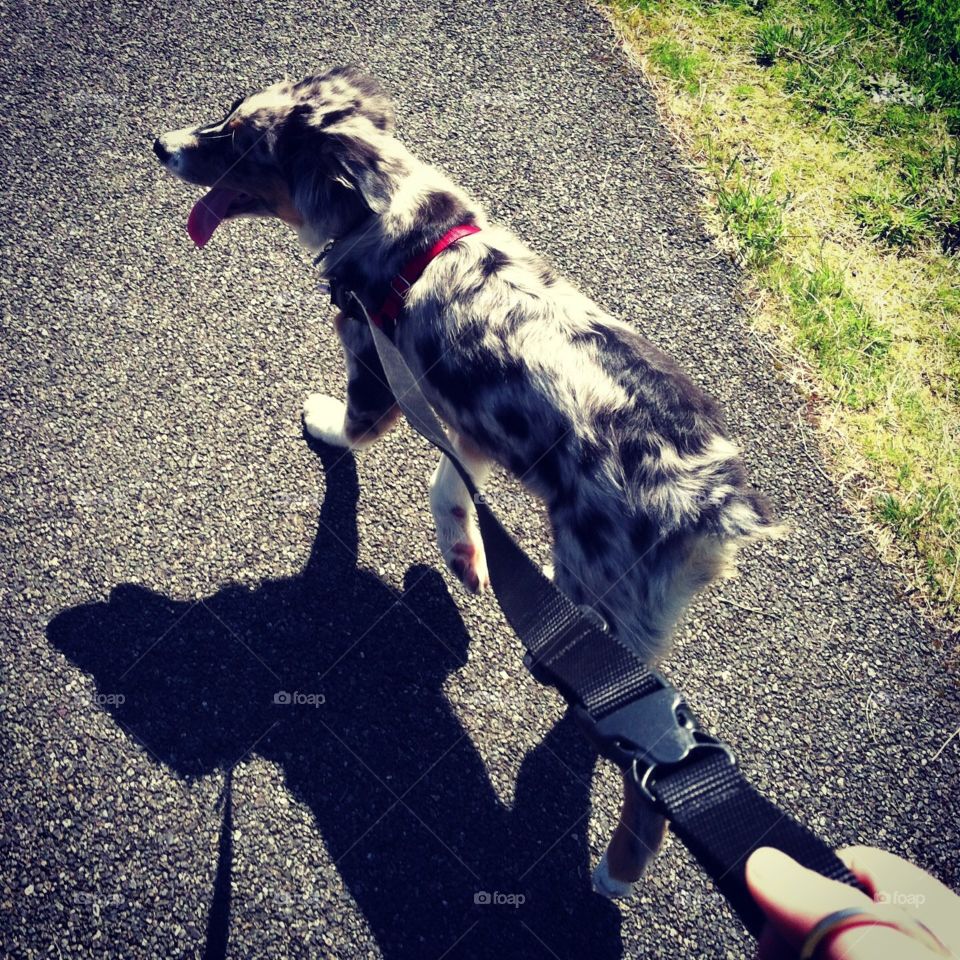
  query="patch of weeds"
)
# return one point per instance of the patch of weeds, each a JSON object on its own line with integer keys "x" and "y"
{"x": 896, "y": 119}
{"x": 752, "y": 214}
{"x": 834, "y": 92}
{"x": 677, "y": 63}
{"x": 848, "y": 344}
{"x": 912, "y": 516}
{"x": 891, "y": 88}
{"x": 775, "y": 41}
{"x": 944, "y": 172}
{"x": 902, "y": 517}
{"x": 950, "y": 338}
{"x": 945, "y": 163}
{"x": 927, "y": 207}
{"x": 897, "y": 220}
{"x": 928, "y": 34}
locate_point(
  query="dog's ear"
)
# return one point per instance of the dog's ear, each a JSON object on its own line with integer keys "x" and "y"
{"x": 357, "y": 162}
{"x": 334, "y": 166}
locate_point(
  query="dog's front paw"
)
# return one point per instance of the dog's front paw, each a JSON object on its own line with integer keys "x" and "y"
{"x": 609, "y": 887}
{"x": 462, "y": 548}
{"x": 324, "y": 419}
{"x": 469, "y": 565}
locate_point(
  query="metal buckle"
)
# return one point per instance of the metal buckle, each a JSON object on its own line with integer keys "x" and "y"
{"x": 318, "y": 259}
{"x": 643, "y": 778}
{"x": 648, "y": 735}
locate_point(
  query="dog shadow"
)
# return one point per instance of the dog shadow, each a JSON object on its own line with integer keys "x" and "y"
{"x": 338, "y": 678}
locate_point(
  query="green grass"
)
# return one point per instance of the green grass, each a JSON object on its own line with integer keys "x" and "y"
{"x": 829, "y": 131}
{"x": 850, "y": 347}
{"x": 752, "y": 213}
{"x": 927, "y": 35}
{"x": 870, "y": 70}
{"x": 894, "y": 218}
{"x": 678, "y": 65}
{"x": 777, "y": 41}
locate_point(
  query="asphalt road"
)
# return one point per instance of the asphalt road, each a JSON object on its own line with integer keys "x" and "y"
{"x": 176, "y": 554}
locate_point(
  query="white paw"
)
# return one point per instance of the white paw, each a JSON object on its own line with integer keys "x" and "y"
{"x": 461, "y": 546}
{"x": 324, "y": 417}
{"x": 606, "y": 886}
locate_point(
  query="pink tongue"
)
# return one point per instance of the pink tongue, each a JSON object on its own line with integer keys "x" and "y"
{"x": 208, "y": 212}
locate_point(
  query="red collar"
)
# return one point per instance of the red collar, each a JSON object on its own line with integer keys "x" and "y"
{"x": 387, "y": 315}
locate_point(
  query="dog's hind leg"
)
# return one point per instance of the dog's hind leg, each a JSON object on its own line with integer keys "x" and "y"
{"x": 634, "y": 844}
{"x": 456, "y": 516}
{"x": 370, "y": 409}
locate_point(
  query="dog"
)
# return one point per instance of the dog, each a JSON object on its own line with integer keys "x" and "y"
{"x": 647, "y": 497}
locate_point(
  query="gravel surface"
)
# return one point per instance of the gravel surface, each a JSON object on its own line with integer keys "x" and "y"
{"x": 168, "y": 576}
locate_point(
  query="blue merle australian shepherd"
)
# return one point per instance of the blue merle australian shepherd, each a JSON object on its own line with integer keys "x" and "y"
{"x": 647, "y": 498}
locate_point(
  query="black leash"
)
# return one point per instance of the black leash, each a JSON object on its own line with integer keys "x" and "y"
{"x": 631, "y": 713}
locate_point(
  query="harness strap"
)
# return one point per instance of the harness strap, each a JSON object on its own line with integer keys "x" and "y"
{"x": 630, "y": 712}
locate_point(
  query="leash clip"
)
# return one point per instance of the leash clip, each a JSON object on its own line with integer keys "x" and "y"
{"x": 649, "y": 735}
{"x": 328, "y": 246}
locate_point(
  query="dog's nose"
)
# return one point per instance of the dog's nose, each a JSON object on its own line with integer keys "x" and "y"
{"x": 163, "y": 154}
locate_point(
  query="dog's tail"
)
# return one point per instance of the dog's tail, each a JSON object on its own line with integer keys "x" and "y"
{"x": 714, "y": 498}
{"x": 686, "y": 562}
{"x": 743, "y": 516}
{"x": 748, "y": 515}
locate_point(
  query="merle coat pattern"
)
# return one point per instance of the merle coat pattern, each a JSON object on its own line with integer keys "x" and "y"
{"x": 647, "y": 498}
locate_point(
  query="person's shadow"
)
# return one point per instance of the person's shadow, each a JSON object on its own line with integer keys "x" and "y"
{"x": 337, "y": 677}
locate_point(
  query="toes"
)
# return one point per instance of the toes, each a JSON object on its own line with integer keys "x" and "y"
{"x": 483, "y": 578}
{"x": 468, "y": 565}
{"x": 460, "y": 544}
{"x": 466, "y": 575}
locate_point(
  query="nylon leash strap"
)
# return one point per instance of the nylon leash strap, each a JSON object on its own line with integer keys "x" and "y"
{"x": 631, "y": 713}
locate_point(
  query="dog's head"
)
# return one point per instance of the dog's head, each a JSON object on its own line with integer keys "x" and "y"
{"x": 311, "y": 153}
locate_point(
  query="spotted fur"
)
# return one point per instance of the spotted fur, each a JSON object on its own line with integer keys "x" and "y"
{"x": 647, "y": 497}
